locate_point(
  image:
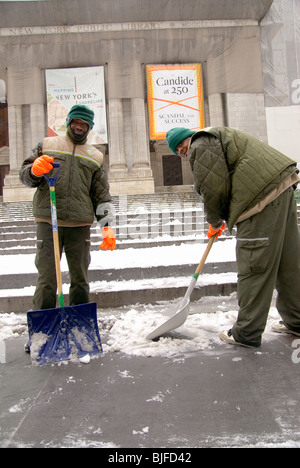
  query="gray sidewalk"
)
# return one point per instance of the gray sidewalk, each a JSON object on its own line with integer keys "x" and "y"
{"x": 225, "y": 396}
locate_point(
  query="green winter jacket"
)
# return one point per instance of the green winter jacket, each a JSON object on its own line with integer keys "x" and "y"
{"x": 80, "y": 187}
{"x": 234, "y": 171}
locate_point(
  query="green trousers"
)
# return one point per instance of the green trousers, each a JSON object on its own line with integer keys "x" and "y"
{"x": 76, "y": 244}
{"x": 268, "y": 258}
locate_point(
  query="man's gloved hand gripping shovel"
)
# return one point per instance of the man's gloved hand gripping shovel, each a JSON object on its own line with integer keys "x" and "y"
{"x": 182, "y": 310}
{"x": 62, "y": 333}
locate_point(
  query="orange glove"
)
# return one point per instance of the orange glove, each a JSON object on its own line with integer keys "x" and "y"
{"x": 42, "y": 165}
{"x": 109, "y": 239}
{"x": 211, "y": 232}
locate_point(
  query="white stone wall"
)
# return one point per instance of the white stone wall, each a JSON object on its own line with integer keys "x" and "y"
{"x": 243, "y": 111}
{"x": 246, "y": 112}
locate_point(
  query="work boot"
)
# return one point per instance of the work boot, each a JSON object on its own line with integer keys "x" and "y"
{"x": 280, "y": 327}
{"x": 227, "y": 336}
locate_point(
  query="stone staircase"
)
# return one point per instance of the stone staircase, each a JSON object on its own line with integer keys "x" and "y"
{"x": 142, "y": 221}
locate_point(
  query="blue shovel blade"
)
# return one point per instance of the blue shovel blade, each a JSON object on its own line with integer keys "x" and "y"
{"x": 63, "y": 333}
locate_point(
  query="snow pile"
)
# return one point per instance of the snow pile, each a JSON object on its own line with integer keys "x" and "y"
{"x": 38, "y": 340}
{"x": 12, "y": 325}
{"x": 128, "y": 333}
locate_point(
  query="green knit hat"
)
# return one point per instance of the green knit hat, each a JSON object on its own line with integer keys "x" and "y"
{"x": 79, "y": 111}
{"x": 176, "y": 136}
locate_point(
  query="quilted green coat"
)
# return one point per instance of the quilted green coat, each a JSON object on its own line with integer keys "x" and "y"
{"x": 234, "y": 171}
{"x": 81, "y": 185}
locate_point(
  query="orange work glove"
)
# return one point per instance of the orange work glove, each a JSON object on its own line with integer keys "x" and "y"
{"x": 211, "y": 232}
{"x": 109, "y": 239}
{"x": 42, "y": 165}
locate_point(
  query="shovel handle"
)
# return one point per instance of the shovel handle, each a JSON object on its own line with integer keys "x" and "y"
{"x": 52, "y": 180}
{"x": 205, "y": 255}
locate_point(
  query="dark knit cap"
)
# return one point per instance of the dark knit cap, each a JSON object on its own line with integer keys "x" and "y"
{"x": 176, "y": 136}
{"x": 79, "y": 111}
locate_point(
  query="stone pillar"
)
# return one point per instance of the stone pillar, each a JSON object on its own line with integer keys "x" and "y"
{"x": 26, "y": 114}
{"x": 37, "y": 123}
{"x": 124, "y": 177}
{"x": 13, "y": 189}
{"x": 15, "y": 129}
{"x": 141, "y": 156}
{"x": 117, "y": 159}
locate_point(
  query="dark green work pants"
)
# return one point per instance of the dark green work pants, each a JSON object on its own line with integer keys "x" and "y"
{"x": 268, "y": 257}
{"x": 76, "y": 244}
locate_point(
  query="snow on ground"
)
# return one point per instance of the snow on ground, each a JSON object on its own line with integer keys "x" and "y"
{"x": 200, "y": 331}
{"x": 126, "y": 330}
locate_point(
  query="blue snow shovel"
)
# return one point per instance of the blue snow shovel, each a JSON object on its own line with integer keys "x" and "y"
{"x": 182, "y": 310}
{"x": 62, "y": 333}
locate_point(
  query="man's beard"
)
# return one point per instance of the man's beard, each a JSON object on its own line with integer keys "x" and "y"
{"x": 76, "y": 137}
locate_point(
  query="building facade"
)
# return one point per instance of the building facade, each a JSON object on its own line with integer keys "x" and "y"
{"x": 124, "y": 36}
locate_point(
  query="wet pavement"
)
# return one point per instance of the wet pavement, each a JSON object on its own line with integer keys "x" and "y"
{"x": 224, "y": 396}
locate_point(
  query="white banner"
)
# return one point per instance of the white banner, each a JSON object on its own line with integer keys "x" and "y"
{"x": 69, "y": 86}
{"x": 175, "y": 98}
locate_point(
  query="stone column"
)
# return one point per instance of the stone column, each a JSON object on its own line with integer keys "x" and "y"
{"x": 13, "y": 189}
{"x": 129, "y": 159}
{"x": 25, "y": 114}
{"x": 15, "y": 132}
{"x": 117, "y": 159}
{"x": 37, "y": 123}
{"x": 141, "y": 156}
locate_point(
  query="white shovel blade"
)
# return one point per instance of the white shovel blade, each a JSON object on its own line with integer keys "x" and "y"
{"x": 179, "y": 318}
{"x": 183, "y": 310}
{"x": 172, "y": 323}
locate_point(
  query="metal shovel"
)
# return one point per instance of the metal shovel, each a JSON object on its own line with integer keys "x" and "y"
{"x": 182, "y": 310}
{"x": 64, "y": 332}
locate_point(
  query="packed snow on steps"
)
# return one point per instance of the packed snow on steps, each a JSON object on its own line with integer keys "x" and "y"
{"x": 223, "y": 251}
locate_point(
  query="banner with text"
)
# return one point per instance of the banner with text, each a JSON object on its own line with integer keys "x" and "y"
{"x": 175, "y": 98}
{"x": 69, "y": 86}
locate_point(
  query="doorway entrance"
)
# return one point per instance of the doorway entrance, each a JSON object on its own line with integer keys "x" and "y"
{"x": 172, "y": 170}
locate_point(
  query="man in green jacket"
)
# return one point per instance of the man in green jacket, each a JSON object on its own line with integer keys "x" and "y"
{"x": 251, "y": 186}
{"x": 82, "y": 192}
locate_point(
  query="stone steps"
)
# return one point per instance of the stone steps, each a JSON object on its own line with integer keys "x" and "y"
{"x": 156, "y": 220}
{"x": 141, "y": 221}
{"x": 127, "y": 297}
